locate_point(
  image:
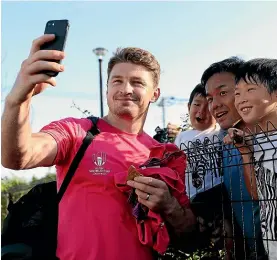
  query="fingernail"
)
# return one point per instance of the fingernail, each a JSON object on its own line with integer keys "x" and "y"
{"x": 61, "y": 68}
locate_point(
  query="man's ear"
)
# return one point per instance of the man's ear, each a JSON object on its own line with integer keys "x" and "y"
{"x": 188, "y": 107}
{"x": 156, "y": 95}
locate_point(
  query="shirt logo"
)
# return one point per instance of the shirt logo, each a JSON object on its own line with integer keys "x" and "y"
{"x": 99, "y": 159}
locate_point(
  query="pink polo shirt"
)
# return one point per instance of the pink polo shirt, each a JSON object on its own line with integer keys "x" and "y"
{"x": 95, "y": 219}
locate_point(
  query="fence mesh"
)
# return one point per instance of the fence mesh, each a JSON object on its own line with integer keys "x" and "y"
{"x": 233, "y": 192}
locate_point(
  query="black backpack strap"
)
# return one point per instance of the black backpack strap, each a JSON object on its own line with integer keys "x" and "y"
{"x": 78, "y": 157}
{"x": 94, "y": 130}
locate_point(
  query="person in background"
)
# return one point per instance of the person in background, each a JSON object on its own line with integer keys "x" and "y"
{"x": 203, "y": 126}
{"x": 256, "y": 102}
{"x": 219, "y": 82}
{"x": 172, "y": 131}
{"x": 202, "y": 176}
{"x": 202, "y": 123}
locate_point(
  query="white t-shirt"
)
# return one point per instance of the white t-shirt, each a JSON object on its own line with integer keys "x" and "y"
{"x": 265, "y": 154}
{"x": 202, "y": 156}
{"x": 192, "y": 135}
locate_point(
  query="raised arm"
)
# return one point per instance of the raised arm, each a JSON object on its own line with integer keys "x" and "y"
{"x": 22, "y": 149}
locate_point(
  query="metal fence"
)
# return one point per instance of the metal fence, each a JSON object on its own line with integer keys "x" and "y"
{"x": 233, "y": 198}
{"x": 233, "y": 191}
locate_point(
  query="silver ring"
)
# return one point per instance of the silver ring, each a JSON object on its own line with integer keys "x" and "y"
{"x": 148, "y": 196}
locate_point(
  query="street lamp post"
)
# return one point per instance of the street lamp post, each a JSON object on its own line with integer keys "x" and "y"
{"x": 100, "y": 53}
{"x": 169, "y": 101}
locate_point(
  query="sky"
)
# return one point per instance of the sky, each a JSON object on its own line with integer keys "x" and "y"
{"x": 185, "y": 37}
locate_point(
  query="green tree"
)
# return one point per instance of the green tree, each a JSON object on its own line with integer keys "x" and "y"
{"x": 14, "y": 188}
{"x": 11, "y": 188}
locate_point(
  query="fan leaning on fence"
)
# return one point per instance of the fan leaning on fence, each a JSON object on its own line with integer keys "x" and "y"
{"x": 219, "y": 82}
{"x": 256, "y": 102}
{"x": 203, "y": 126}
{"x": 203, "y": 174}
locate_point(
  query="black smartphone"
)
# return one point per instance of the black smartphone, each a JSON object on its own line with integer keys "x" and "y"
{"x": 60, "y": 29}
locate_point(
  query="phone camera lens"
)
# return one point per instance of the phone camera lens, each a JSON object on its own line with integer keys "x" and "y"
{"x": 53, "y": 24}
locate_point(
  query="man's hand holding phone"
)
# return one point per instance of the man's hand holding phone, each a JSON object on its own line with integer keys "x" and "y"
{"x": 31, "y": 80}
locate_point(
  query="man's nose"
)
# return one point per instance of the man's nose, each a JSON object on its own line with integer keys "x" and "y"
{"x": 215, "y": 104}
{"x": 127, "y": 88}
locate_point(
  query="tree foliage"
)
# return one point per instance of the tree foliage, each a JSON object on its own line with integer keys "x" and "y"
{"x": 14, "y": 188}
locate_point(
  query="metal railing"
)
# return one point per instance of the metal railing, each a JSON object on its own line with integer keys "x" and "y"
{"x": 233, "y": 192}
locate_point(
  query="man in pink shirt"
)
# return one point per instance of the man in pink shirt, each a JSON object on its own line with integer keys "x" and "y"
{"x": 95, "y": 219}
